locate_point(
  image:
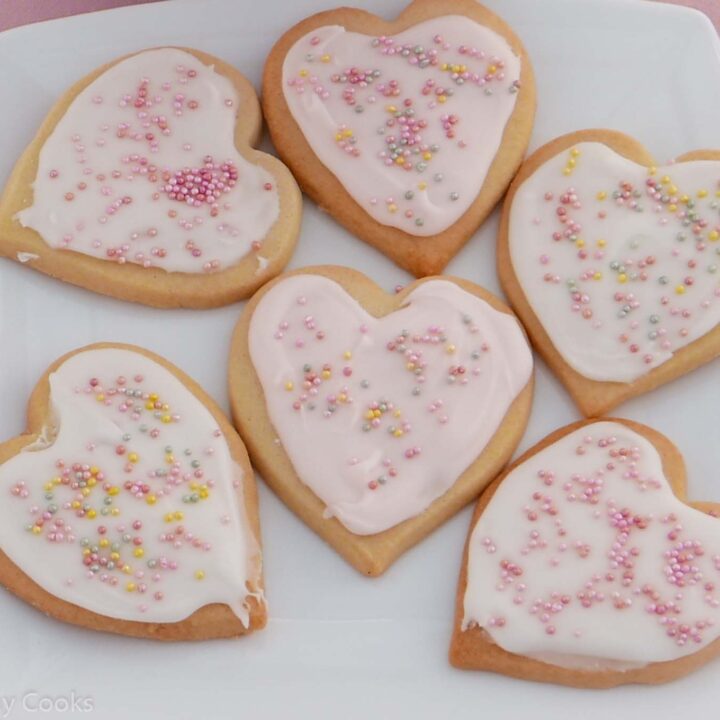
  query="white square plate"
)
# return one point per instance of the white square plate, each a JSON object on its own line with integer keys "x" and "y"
{"x": 339, "y": 645}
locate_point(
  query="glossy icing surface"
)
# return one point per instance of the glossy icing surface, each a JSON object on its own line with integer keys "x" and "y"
{"x": 129, "y": 504}
{"x": 381, "y": 416}
{"x": 619, "y": 262}
{"x": 584, "y": 557}
{"x": 142, "y": 168}
{"x": 409, "y": 124}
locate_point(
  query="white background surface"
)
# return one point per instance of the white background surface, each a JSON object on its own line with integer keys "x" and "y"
{"x": 339, "y": 645}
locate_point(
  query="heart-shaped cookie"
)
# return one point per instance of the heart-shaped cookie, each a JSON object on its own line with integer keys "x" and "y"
{"x": 407, "y": 132}
{"x": 613, "y": 263}
{"x": 376, "y": 417}
{"x": 587, "y": 566}
{"x": 129, "y": 505}
{"x": 142, "y": 183}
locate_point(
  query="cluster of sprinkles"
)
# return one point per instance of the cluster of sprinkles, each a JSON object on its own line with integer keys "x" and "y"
{"x": 414, "y": 118}
{"x": 118, "y": 163}
{"x": 102, "y": 509}
{"x": 657, "y": 291}
{"x": 335, "y": 386}
{"x": 617, "y": 570}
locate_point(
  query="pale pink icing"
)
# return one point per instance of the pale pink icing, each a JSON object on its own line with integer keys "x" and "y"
{"x": 378, "y": 426}
{"x": 113, "y": 173}
{"x": 621, "y": 265}
{"x": 584, "y": 557}
{"x": 409, "y": 124}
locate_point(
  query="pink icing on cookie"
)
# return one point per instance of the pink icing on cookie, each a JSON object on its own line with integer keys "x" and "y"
{"x": 584, "y": 557}
{"x": 409, "y": 124}
{"x": 381, "y": 416}
{"x": 130, "y": 504}
{"x": 621, "y": 264}
{"x": 142, "y": 168}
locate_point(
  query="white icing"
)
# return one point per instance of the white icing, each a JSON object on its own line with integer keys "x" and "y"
{"x": 450, "y": 423}
{"x": 150, "y": 229}
{"x": 577, "y": 550}
{"x": 88, "y": 431}
{"x": 24, "y": 257}
{"x": 602, "y": 335}
{"x": 482, "y": 102}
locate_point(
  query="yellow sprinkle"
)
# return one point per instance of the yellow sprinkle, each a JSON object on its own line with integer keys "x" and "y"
{"x": 131, "y": 587}
{"x": 149, "y": 406}
{"x": 326, "y": 374}
{"x": 74, "y": 504}
{"x": 442, "y": 98}
{"x": 702, "y": 193}
{"x": 338, "y": 137}
{"x": 672, "y": 190}
{"x": 100, "y": 397}
{"x": 48, "y": 486}
{"x": 665, "y": 179}
{"x": 133, "y": 457}
{"x": 492, "y": 69}
{"x": 422, "y": 185}
{"x": 126, "y": 569}
{"x": 138, "y": 552}
{"x": 114, "y": 490}
{"x": 325, "y": 58}
{"x": 713, "y": 235}
{"x": 580, "y": 243}
{"x": 347, "y": 132}
{"x": 400, "y": 160}
{"x": 166, "y": 419}
{"x": 572, "y": 163}
{"x": 450, "y": 349}
{"x": 114, "y": 556}
{"x": 169, "y": 458}
{"x": 597, "y": 276}
{"x": 680, "y": 289}
{"x": 85, "y": 492}
{"x": 398, "y": 433}
{"x": 179, "y": 515}
{"x": 92, "y": 482}
{"x": 369, "y": 415}
{"x": 652, "y": 170}
{"x": 199, "y": 574}
{"x": 391, "y": 109}
{"x": 151, "y": 499}
{"x": 427, "y": 156}
{"x": 104, "y": 542}
{"x": 303, "y": 73}
{"x": 622, "y": 278}
{"x": 685, "y": 199}
{"x": 392, "y": 207}
{"x": 92, "y": 514}
{"x": 289, "y": 385}
{"x": 115, "y": 512}
{"x": 347, "y": 355}
{"x": 168, "y": 517}
{"x": 601, "y": 195}
{"x": 397, "y": 413}
{"x": 575, "y": 152}
{"x": 567, "y": 171}
{"x": 153, "y": 397}
{"x": 601, "y": 243}
{"x": 672, "y": 207}
{"x": 36, "y": 530}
